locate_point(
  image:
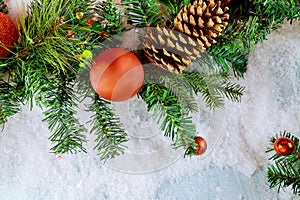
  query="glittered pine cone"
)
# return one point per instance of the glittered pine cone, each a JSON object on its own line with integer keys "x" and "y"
{"x": 202, "y": 20}
{"x": 170, "y": 50}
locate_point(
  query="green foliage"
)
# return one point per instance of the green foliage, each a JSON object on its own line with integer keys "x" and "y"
{"x": 142, "y": 13}
{"x": 179, "y": 87}
{"x": 107, "y": 127}
{"x": 105, "y": 124}
{"x": 9, "y": 101}
{"x": 43, "y": 38}
{"x": 285, "y": 172}
{"x": 60, "y": 101}
{"x": 42, "y": 70}
{"x": 3, "y": 7}
{"x": 214, "y": 86}
{"x": 109, "y": 17}
{"x": 250, "y": 23}
{"x": 172, "y": 7}
{"x": 169, "y": 112}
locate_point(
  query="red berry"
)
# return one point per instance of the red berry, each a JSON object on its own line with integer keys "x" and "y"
{"x": 90, "y": 22}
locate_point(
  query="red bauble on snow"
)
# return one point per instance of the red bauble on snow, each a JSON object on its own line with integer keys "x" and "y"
{"x": 202, "y": 145}
{"x": 8, "y": 34}
{"x": 117, "y": 74}
{"x": 284, "y": 146}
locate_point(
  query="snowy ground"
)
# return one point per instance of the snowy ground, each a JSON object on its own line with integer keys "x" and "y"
{"x": 233, "y": 167}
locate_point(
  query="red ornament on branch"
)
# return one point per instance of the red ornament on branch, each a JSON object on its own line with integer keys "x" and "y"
{"x": 9, "y": 34}
{"x": 284, "y": 146}
{"x": 117, "y": 74}
{"x": 202, "y": 145}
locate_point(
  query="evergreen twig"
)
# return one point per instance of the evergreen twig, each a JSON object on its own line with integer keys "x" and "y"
{"x": 172, "y": 7}
{"x": 110, "y": 134}
{"x": 9, "y": 102}
{"x": 214, "y": 87}
{"x": 68, "y": 134}
{"x": 110, "y": 17}
{"x": 142, "y": 13}
{"x": 285, "y": 171}
{"x": 105, "y": 124}
{"x": 181, "y": 89}
{"x": 250, "y": 23}
{"x": 168, "y": 111}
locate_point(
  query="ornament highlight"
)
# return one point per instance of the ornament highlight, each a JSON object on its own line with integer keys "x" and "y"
{"x": 202, "y": 145}
{"x": 117, "y": 74}
{"x": 8, "y": 34}
{"x": 284, "y": 146}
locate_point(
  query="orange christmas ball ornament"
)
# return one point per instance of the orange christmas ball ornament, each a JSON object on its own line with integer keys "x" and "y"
{"x": 117, "y": 74}
{"x": 202, "y": 145}
{"x": 284, "y": 146}
{"x": 8, "y": 34}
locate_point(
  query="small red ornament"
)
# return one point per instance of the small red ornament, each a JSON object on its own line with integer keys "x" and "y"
{"x": 117, "y": 74}
{"x": 202, "y": 145}
{"x": 9, "y": 34}
{"x": 284, "y": 146}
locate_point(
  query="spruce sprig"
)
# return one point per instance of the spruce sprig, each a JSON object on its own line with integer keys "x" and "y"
{"x": 143, "y": 13}
{"x": 43, "y": 38}
{"x": 285, "y": 171}
{"x": 60, "y": 101}
{"x": 110, "y": 17}
{"x": 250, "y": 23}
{"x": 106, "y": 125}
{"x": 9, "y": 101}
{"x": 181, "y": 89}
{"x": 214, "y": 87}
{"x": 170, "y": 114}
{"x": 172, "y": 7}
{"x": 108, "y": 129}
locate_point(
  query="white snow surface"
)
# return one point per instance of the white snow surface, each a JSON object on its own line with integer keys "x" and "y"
{"x": 233, "y": 167}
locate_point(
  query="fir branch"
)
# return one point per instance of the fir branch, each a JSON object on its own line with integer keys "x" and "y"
{"x": 110, "y": 134}
{"x": 181, "y": 89}
{"x": 109, "y": 15}
{"x": 230, "y": 55}
{"x": 176, "y": 84}
{"x": 43, "y": 37}
{"x": 282, "y": 175}
{"x": 60, "y": 101}
{"x": 168, "y": 111}
{"x": 105, "y": 124}
{"x": 250, "y": 23}
{"x": 285, "y": 171}
{"x": 173, "y": 7}
{"x": 9, "y": 101}
{"x": 31, "y": 81}
{"x": 142, "y": 13}
{"x": 214, "y": 87}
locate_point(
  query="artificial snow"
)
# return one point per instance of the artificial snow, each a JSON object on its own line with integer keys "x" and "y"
{"x": 234, "y": 166}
